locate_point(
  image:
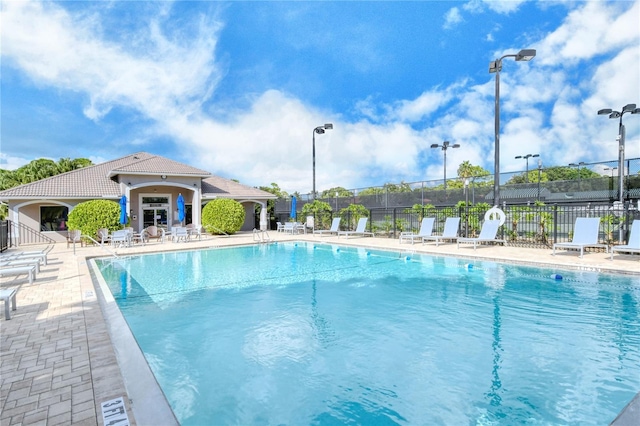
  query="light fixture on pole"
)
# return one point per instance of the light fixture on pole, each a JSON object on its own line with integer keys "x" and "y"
{"x": 496, "y": 67}
{"x": 606, "y": 169}
{"x": 526, "y": 157}
{"x": 578, "y": 165}
{"x": 445, "y": 145}
{"x": 319, "y": 130}
{"x": 621, "y": 134}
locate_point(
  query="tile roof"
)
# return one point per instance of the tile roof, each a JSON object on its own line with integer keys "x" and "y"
{"x": 97, "y": 181}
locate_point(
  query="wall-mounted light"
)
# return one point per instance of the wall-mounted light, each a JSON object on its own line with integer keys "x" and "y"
{"x": 163, "y": 177}
{"x": 129, "y": 183}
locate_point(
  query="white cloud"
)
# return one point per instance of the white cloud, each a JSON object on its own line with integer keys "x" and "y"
{"x": 452, "y": 18}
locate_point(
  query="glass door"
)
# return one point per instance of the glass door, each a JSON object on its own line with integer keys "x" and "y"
{"x": 154, "y": 216}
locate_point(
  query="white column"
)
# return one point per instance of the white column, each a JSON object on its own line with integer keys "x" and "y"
{"x": 196, "y": 207}
{"x": 264, "y": 224}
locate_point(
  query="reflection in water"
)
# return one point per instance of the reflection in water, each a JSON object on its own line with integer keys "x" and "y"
{"x": 496, "y": 345}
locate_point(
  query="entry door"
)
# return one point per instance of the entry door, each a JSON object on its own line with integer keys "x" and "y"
{"x": 154, "y": 216}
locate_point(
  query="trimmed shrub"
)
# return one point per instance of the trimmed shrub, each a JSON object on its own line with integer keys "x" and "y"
{"x": 223, "y": 215}
{"x": 92, "y": 215}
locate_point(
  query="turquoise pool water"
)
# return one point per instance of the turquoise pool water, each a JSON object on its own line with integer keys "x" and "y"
{"x": 302, "y": 333}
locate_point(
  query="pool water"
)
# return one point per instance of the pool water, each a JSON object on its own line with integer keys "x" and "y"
{"x": 303, "y": 333}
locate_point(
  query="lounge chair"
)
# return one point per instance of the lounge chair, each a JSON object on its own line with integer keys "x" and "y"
{"x": 634, "y": 240}
{"x": 40, "y": 255}
{"x": 450, "y": 231}
{"x": 585, "y": 234}
{"x": 360, "y": 229}
{"x": 487, "y": 234}
{"x": 426, "y": 228}
{"x": 153, "y": 233}
{"x": 335, "y": 228}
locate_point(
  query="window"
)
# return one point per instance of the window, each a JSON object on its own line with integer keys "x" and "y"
{"x": 53, "y": 218}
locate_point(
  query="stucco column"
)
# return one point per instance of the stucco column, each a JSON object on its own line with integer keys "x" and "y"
{"x": 196, "y": 207}
{"x": 264, "y": 224}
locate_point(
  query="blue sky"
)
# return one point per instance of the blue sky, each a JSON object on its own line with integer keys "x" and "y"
{"x": 236, "y": 88}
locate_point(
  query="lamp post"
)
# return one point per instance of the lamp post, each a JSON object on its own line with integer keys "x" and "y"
{"x": 526, "y": 157}
{"x": 496, "y": 67}
{"x": 319, "y": 130}
{"x": 606, "y": 169}
{"x": 621, "y": 134}
{"x": 445, "y": 145}
{"x": 579, "y": 165}
{"x": 539, "y": 176}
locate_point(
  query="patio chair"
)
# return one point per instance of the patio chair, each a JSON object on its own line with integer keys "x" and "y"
{"x": 585, "y": 234}
{"x": 74, "y": 236}
{"x": 450, "y": 231}
{"x": 194, "y": 231}
{"x": 426, "y": 228}
{"x": 487, "y": 234}
{"x": 153, "y": 233}
{"x": 360, "y": 229}
{"x": 335, "y": 228}
{"x": 280, "y": 226}
{"x": 103, "y": 236}
{"x": 179, "y": 233}
{"x": 634, "y": 240}
{"x": 121, "y": 238}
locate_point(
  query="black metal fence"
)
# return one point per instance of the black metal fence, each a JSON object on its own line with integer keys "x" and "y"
{"x": 5, "y": 236}
{"x": 538, "y": 226}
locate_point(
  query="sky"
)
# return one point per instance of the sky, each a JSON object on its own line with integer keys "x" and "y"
{"x": 237, "y": 87}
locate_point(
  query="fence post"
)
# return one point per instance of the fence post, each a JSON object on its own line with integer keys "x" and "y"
{"x": 394, "y": 222}
{"x": 555, "y": 223}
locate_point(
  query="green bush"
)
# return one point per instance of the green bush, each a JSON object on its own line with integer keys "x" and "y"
{"x": 223, "y": 216}
{"x": 92, "y": 215}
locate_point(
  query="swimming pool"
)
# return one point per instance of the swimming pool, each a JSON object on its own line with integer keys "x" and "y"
{"x": 302, "y": 333}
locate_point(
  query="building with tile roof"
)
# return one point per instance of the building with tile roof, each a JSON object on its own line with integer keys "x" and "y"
{"x": 151, "y": 184}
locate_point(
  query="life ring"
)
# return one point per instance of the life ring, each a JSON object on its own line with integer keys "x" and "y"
{"x": 495, "y": 211}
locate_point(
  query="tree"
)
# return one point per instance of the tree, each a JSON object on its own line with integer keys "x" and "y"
{"x": 223, "y": 215}
{"x": 320, "y": 210}
{"x": 90, "y": 216}
{"x": 342, "y": 192}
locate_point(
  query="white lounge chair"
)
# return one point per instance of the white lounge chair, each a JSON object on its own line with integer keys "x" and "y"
{"x": 335, "y": 228}
{"x": 426, "y": 228}
{"x": 634, "y": 240}
{"x": 585, "y": 234}
{"x": 488, "y": 234}
{"x": 19, "y": 270}
{"x": 450, "y": 231}
{"x": 40, "y": 255}
{"x": 360, "y": 229}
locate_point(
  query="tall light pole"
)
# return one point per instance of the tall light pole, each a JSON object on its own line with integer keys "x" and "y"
{"x": 319, "y": 130}
{"x": 606, "y": 169}
{"x": 539, "y": 176}
{"x": 445, "y": 145}
{"x": 621, "y": 133}
{"x": 496, "y": 67}
{"x": 578, "y": 165}
{"x": 526, "y": 157}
